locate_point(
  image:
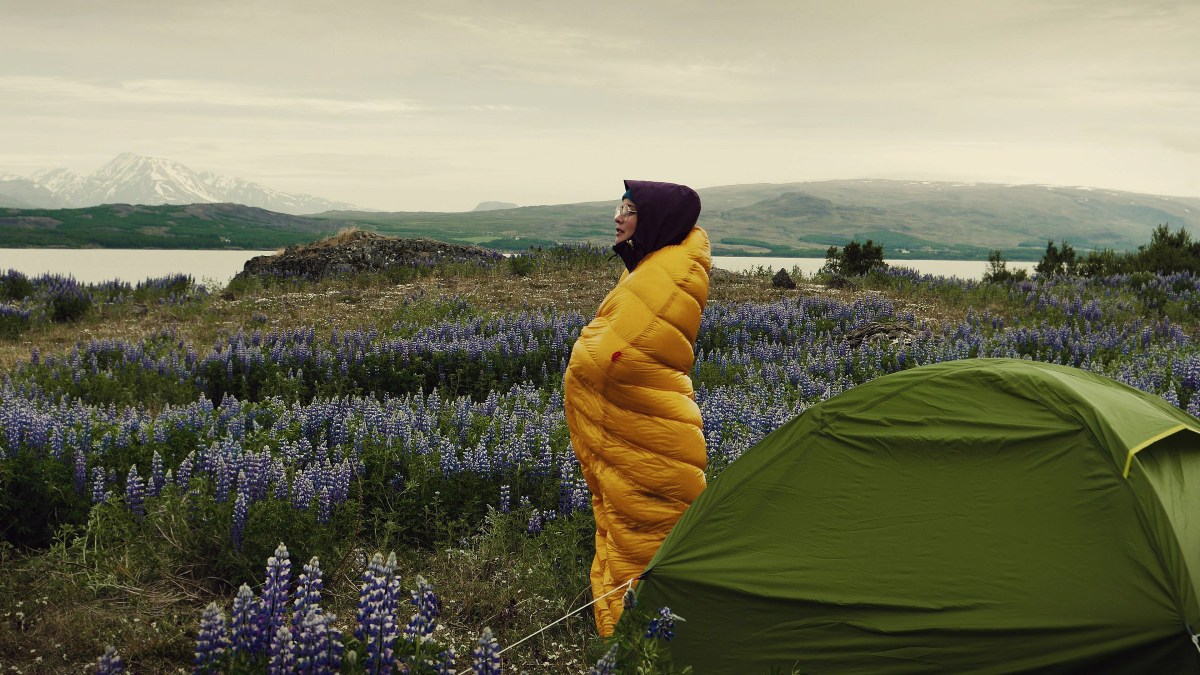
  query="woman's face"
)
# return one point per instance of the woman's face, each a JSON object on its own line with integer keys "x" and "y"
{"x": 626, "y": 219}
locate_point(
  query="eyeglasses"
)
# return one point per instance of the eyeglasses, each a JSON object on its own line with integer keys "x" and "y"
{"x": 624, "y": 210}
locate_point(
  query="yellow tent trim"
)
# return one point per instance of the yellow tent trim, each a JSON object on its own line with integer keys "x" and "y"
{"x": 1148, "y": 442}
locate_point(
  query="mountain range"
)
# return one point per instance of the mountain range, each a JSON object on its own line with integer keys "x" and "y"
{"x": 156, "y": 203}
{"x": 911, "y": 219}
{"x": 133, "y": 179}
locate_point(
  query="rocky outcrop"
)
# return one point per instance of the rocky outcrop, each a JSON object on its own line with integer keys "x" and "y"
{"x": 882, "y": 332}
{"x": 362, "y": 251}
{"x": 783, "y": 280}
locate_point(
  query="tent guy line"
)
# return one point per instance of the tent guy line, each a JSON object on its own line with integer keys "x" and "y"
{"x": 624, "y": 586}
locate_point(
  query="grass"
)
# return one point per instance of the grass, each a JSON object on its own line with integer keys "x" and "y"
{"x": 361, "y": 300}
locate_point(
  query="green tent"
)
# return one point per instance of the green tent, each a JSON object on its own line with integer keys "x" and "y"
{"x": 984, "y": 515}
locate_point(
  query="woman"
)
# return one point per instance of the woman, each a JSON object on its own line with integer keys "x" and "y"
{"x": 630, "y": 406}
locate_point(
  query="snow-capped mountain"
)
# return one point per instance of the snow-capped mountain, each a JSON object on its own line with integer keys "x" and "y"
{"x": 133, "y": 179}
{"x": 23, "y": 193}
{"x": 61, "y": 182}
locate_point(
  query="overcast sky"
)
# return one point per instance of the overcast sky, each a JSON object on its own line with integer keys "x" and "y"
{"x": 438, "y": 105}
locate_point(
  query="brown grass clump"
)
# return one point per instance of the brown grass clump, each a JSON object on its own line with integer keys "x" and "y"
{"x": 59, "y": 617}
{"x": 344, "y": 236}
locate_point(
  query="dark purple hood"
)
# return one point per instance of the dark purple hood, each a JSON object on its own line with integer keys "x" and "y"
{"x": 666, "y": 214}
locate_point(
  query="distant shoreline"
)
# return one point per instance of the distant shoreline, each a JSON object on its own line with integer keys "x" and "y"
{"x": 718, "y": 252}
{"x": 217, "y": 267}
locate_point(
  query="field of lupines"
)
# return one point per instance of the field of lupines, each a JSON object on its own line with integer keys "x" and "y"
{"x": 145, "y": 479}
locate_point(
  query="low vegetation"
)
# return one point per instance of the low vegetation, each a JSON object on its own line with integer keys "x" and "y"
{"x": 192, "y": 226}
{"x": 854, "y": 259}
{"x": 381, "y": 460}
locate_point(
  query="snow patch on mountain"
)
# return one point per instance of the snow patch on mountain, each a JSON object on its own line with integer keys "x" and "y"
{"x": 133, "y": 179}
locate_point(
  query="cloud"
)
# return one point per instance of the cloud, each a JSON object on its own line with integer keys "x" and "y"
{"x": 211, "y": 93}
{"x": 467, "y": 99}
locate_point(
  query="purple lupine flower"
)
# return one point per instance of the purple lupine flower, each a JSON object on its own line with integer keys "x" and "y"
{"x": 100, "y": 492}
{"x": 535, "y": 522}
{"x": 302, "y": 492}
{"x": 110, "y": 663}
{"x": 274, "y": 600}
{"x": 318, "y": 643}
{"x": 308, "y": 591}
{"x": 607, "y": 665}
{"x": 183, "y": 477}
{"x": 485, "y": 658}
{"x": 80, "y": 472}
{"x": 343, "y": 473}
{"x": 258, "y": 474}
{"x": 282, "y": 653}
{"x": 505, "y": 499}
{"x": 324, "y": 506}
{"x": 157, "y": 480}
{"x": 663, "y": 625}
{"x": 281, "y": 483}
{"x": 420, "y": 627}
{"x": 241, "y": 509}
{"x": 225, "y": 479}
{"x": 135, "y": 493}
{"x": 212, "y": 641}
{"x": 245, "y": 631}
{"x": 57, "y": 443}
{"x": 377, "y": 604}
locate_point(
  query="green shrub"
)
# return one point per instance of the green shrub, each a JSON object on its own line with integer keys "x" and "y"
{"x": 15, "y": 286}
{"x": 521, "y": 265}
{"x": 1102, "y": 263}
{"x": 69, "y": 303}
{"x": 115, "y": 382}
{"x": 175, "y": 285}
{"x": 13, "y": 322}
{"x": 1168, "y": 252}
{"x": 998, "y": 271}
{"x": 855, "y": 259}
{"x": 37, "y": 497}
{"x": 1056, "y": 261}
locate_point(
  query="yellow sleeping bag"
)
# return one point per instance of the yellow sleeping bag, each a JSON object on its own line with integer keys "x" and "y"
{"x": 631, "y": 410}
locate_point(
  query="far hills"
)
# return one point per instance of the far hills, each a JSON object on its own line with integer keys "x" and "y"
{"x": 911, "y": 219}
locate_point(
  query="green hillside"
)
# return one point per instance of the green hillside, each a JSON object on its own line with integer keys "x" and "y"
{"x": 195, "y": 226}
{"x": 910, "y": 219}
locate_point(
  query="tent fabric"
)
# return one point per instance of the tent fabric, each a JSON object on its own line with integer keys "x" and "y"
{"x": 967, "y": 516}
{"x": 633, "y": 419}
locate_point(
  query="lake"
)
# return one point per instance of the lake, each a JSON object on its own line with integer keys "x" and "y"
{"x": 963, "y": 269}
{"x": 216, "y": 268}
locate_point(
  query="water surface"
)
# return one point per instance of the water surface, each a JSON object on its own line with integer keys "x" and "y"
{"x": 216, "y": 268}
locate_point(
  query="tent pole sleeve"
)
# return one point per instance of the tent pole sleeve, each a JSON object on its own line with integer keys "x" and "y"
{"x": 1146, "y": 443}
